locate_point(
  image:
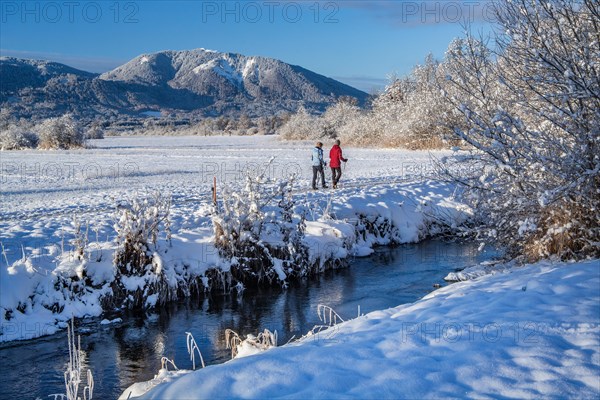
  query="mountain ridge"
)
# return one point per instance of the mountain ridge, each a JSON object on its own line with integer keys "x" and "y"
{"x": 192, "y": 83}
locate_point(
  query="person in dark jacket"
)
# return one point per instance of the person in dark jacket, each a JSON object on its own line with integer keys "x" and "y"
{"x": 318, "y": 164}
{"x": 335, "y": 162}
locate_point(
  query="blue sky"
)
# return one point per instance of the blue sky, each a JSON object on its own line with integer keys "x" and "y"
{"x": 359, "y": 42}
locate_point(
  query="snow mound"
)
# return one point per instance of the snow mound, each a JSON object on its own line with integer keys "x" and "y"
{"x": 531, "y": 332}
{"x": 476, "y": 271}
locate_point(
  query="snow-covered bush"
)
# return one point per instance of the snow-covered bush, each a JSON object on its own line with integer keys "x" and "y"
{"x": 338, "y": 116}
{"x": 531, "y": 103}
{"x": 137, "y": 260}
{"x": 95, "y": 132}
{"x": 17, "y": 138}
{"x": 60, "y": 133}
{"x": 80, "y": 241}
{"x": 302, "y": 125}
{"x": 257, "y": 230}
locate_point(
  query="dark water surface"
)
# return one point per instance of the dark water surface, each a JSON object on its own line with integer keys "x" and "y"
{"x": 128, "y": 352}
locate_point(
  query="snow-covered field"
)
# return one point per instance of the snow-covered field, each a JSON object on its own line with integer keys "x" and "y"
{"x": 45, "y": 190}
{"x": 39, "y": 184}
{"x": 46, "y": 195}
{"x": 532, "y": 332}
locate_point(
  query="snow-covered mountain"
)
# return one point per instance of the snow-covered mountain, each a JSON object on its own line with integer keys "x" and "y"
{"x": 223, "y": 75}
{"x": 16, "y": 74}
{"x": 199, "y": 82}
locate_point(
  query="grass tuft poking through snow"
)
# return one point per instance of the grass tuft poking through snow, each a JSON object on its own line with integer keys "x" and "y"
{"x": 192, "y": 348}
{"x": 251, "y": 345}
{"x": 165, "y": 362}
{"x": 232, "y": 340}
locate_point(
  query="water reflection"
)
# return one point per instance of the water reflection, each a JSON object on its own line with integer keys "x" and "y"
{"x": 131, "y": 351}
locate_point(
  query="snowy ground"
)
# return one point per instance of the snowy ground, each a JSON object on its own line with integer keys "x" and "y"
{"x": 46, "y": 194}
{"x": 531, "y": 332}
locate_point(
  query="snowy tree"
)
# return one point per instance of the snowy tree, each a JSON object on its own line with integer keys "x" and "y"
{"x": 410, "y": 113}
{"x": 342, "y": 113}
{"x": 60, "y": 133}
{"x": 6, "y": 118}
{"x": 302, "y": 125}
{"x": 531, "y": 104}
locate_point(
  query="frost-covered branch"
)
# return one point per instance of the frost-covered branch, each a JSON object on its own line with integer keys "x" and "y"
{"x": 532, "y": 109}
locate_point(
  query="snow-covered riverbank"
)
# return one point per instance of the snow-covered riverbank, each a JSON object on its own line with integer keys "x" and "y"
{"x": 56, "y": 202}
{"x": 530, "y": 332}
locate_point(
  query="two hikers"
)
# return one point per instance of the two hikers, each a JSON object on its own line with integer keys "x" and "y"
{"x": 318, "y": 164}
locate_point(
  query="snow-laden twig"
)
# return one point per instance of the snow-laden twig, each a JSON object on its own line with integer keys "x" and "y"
{"x": 4, "y": 254}
{"x": 192, "y": 347}
{"x": 90, "y": 386}
{"x": 164, "y": 364}
{"x": 75, "y": 367}
{"x": 328, "y": 316}
{"x": 329, "y": 319}
{"x": 232, "y": 340}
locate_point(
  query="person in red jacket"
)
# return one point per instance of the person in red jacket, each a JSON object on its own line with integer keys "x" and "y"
{"x": 336, "y": 158}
